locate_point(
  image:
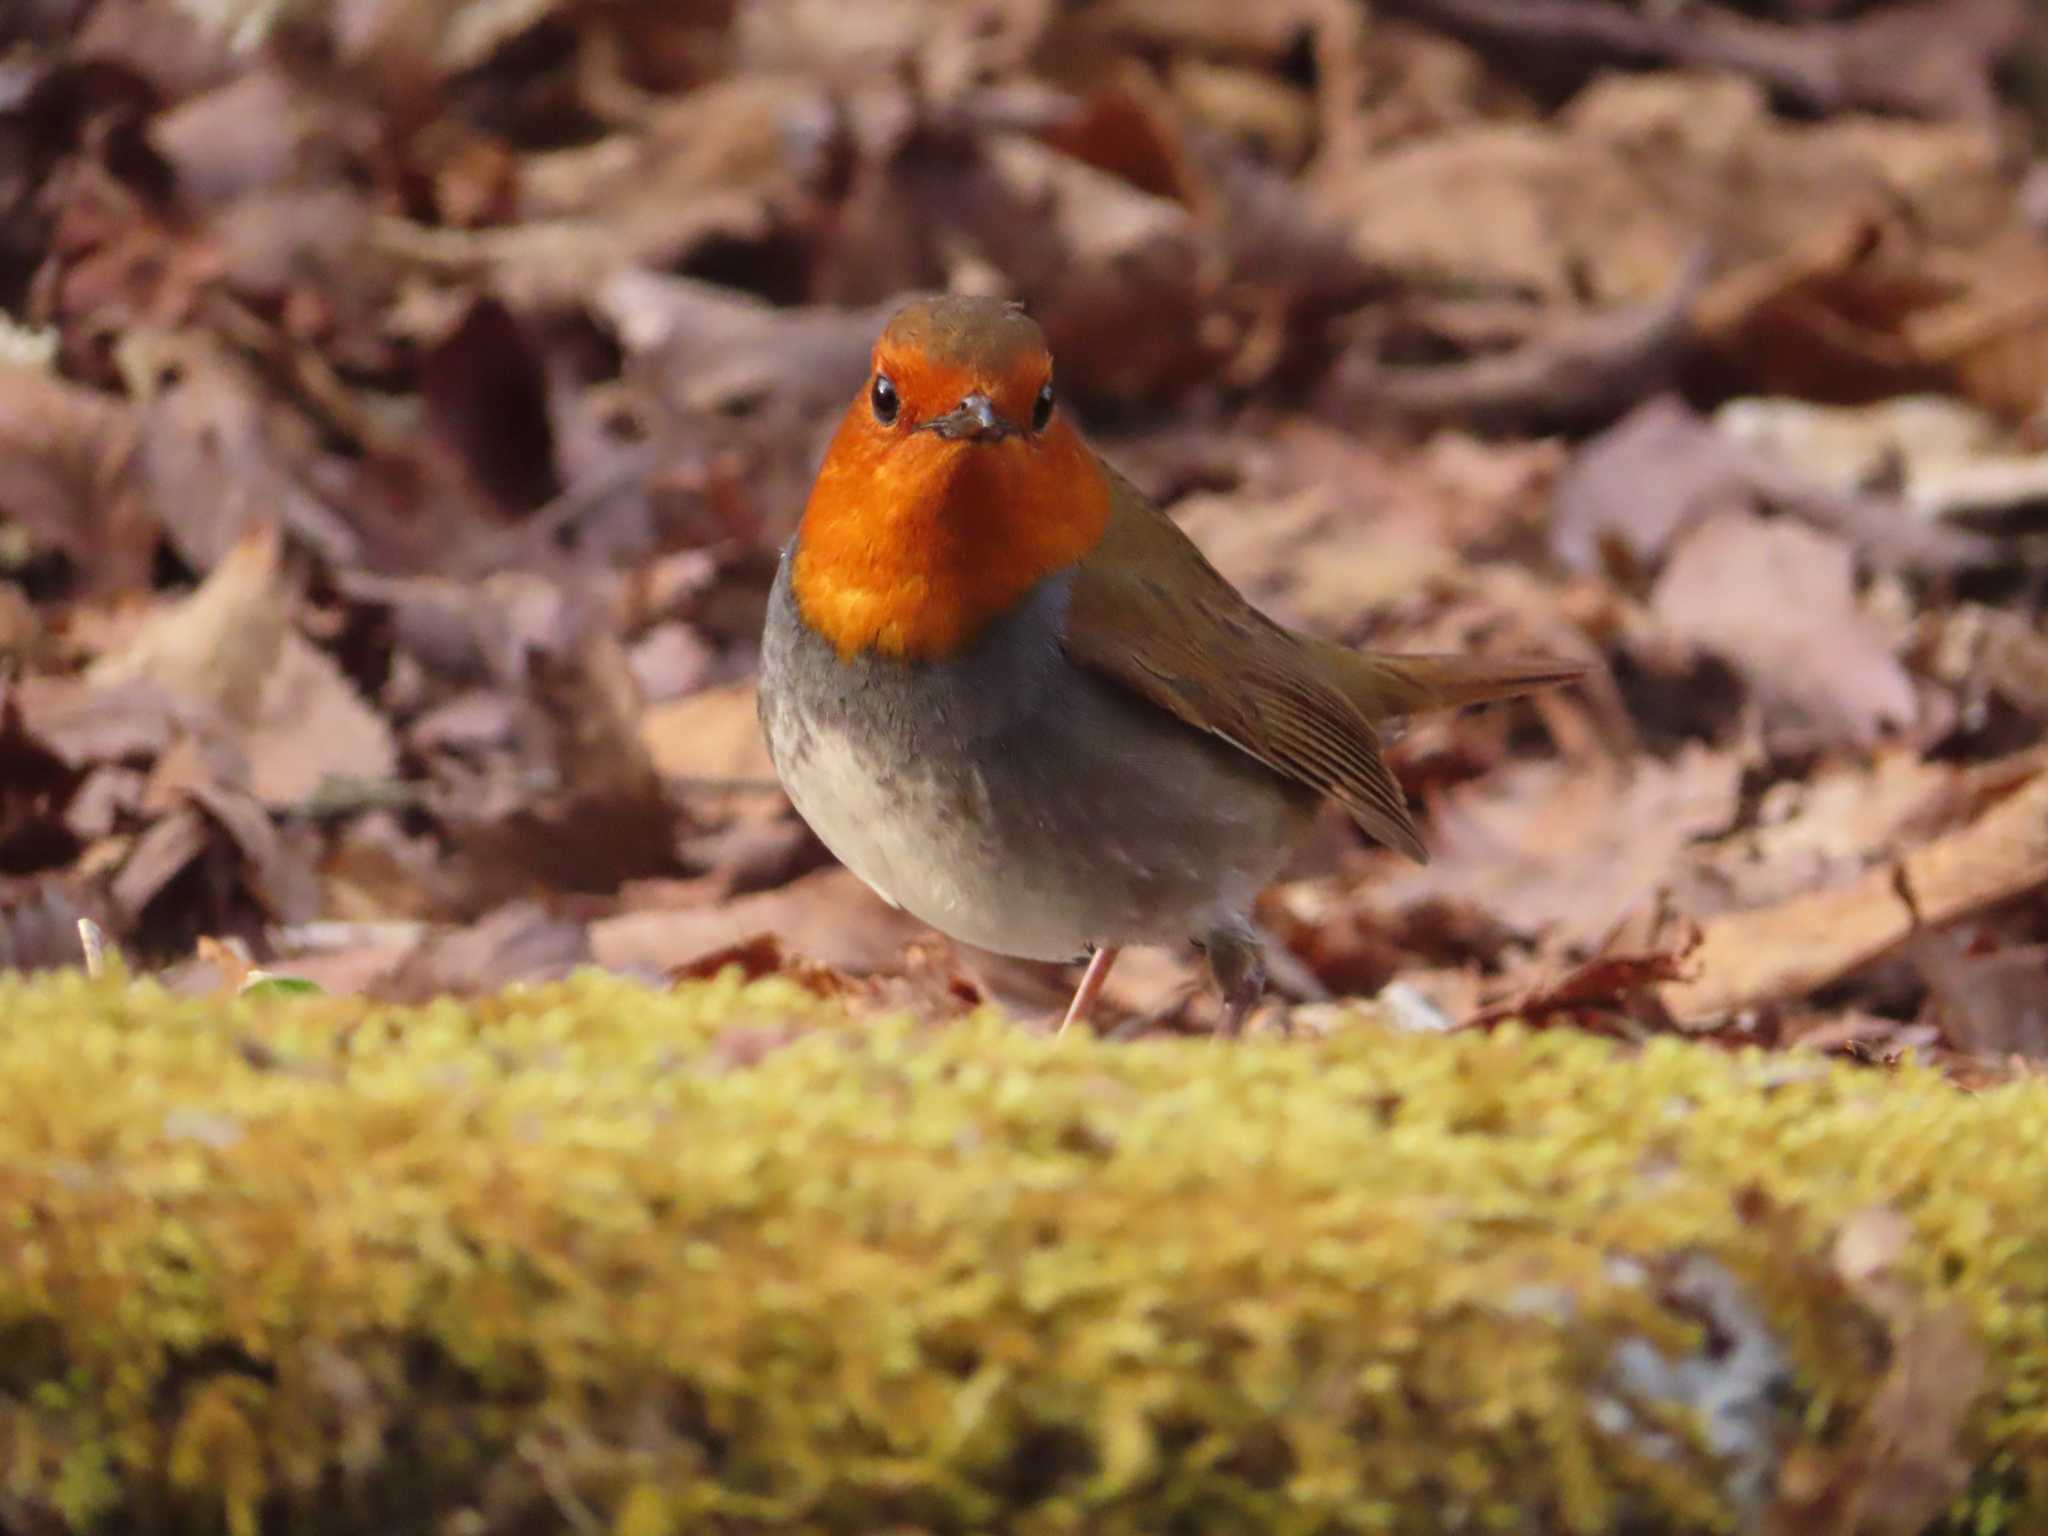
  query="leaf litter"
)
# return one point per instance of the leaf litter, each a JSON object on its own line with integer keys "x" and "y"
{"x": 401, "y": 410}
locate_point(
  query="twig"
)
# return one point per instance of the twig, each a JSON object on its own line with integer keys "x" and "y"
{"x": 94, "y": 942}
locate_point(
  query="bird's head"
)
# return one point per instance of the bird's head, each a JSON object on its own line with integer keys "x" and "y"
{"x": 953, "y": 485}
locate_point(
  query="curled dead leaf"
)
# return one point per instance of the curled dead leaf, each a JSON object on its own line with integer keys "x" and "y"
{"x": 1778, "y": 600}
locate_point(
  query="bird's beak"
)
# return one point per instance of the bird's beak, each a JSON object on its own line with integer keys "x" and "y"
{"x": 974, "y": 417}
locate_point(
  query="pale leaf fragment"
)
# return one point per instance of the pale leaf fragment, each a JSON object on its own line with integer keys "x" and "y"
{"x": 1794, "y": 947}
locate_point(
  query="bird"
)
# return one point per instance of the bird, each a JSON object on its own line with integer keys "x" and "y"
{"x": 1007, "y": 691}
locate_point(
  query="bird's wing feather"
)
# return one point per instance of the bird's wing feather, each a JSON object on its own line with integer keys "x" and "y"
{"x": 1149, "y": 611}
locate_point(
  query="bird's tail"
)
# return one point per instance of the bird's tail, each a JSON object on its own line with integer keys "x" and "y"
{"x": 1385, "y": 686}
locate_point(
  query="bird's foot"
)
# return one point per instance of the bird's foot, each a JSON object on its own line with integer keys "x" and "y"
{"x": 1238, "y": 962}
{"x": 1090, "y": 988}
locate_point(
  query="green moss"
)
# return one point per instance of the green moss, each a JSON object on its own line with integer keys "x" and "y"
{"x": 722, "y": 1259}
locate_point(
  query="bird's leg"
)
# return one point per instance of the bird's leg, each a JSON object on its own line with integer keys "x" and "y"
{"x": 1091, "y": 985}
{"x": 1239, "y": 966}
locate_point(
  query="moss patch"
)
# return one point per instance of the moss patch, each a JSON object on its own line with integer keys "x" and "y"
{"x": 722, "y": 1259}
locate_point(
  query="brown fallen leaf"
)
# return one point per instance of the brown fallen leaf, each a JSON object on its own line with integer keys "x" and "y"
{"x": 518, "y": 942}
{"x": 467, "y": 632}
{"x": 276, "y": 864}
{"x": 756, "y": 956}
{"x": 361, "y": 969}
{"x": 1951, "y": 468}
{"x": 172, "y": 48}
{"x": 217, "y": 646}
{"x": 717, "y": 351}
{"x": 110, "y": 796}
{"x": 67, "y": 458}
{"x": 670, "y": 662}
{"x": 1778, "y": 601}
{"x": 604, "y": 816}
{"x": 1584, "y": 371}
{"x": 1213, "y": 28}
{"x": 229, "y": 649}
{"x": 380, "y": 870}
{"x": 1987, "y": 340}
{"x": 1271, "y": 116}
{"x": 1991, "y": 1004}
{"x": 87, "y": 726}
{"x": 39, "y": 918}
{"x": 207, "y": 141}
{"x": 747, "y": 144}
{"x": 1262, "y": 546}
{"x": 229, "y": 961}
{"x": 1785, "y": 951}
{"x": 219, "y": 459}
{"x": 708, "y": 747}
{"x": 1615, "y": 983}
{"x": 1930, "y": 56}
{"x": 1825, "y": 315}
{"x": 828, "y": 917}
{"x": 1634, "y": 490}
{"x": 1565, "y": 851}
{"x": 1907, "y": 1455}
{"x": 1567, "y": 218}
{"x": 313, "y": 728}
{"x": 159, "y": 856}
{"x": 1978, "y": 650}
{"x": 711, "y": 735}
{"x": 1829, "y": 828}
{"x": 1128, "y": 125}
{"x": 752, "y": 377}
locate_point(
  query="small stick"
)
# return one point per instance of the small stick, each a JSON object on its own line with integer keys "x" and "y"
{"x": 94, "y": 942}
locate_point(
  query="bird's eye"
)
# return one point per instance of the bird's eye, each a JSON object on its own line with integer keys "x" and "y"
{"x": 1041, "y": 410}
{"x": 884, "y": 399}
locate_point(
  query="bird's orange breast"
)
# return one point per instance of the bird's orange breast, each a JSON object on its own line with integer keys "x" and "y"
{"x": 911, "y": 545}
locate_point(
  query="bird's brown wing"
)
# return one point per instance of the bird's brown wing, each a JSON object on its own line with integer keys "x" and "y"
{"x": 1148, "y": 610}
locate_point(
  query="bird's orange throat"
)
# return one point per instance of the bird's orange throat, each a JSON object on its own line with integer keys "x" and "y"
{"x": 909, "y": 547}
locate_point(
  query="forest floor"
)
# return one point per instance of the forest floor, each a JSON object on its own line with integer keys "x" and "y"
{"x": 401, "y": 407}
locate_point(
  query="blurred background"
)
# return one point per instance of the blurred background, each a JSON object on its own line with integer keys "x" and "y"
{"x": 402, "y": 403}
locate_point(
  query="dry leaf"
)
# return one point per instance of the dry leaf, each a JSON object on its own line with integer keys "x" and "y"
{"x": 519, "y": 942}
{"x": 711, "y": 735}
{"x": 828, "y": 917}
{"x": 1634, "y": 490}
{"x": 1567, "y": 850}
{"x": 1563, "y": 214}
{"x": 39, "y": 920}
{"x": 1778, "y": 601}
{"x": 229, "y": 649}
{"x": 218, "y": 646}
{"x": 1931, "y": 56}
{"x": 218, "y": 463}
{"x": 67, "y": 476}
{"x": 1828, "y": 829}
{"x": 1582, "y": 370}
{"x": 1788, "y": 950}
{"x": 1613, "y": 983}
{"x": 1906, "y": 1458}
{"x": 1992, "y": 1005}
{"x": 311, "y": 728}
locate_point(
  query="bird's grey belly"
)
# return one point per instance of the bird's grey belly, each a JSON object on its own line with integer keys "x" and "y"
{"x": 1013, "y": 801}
